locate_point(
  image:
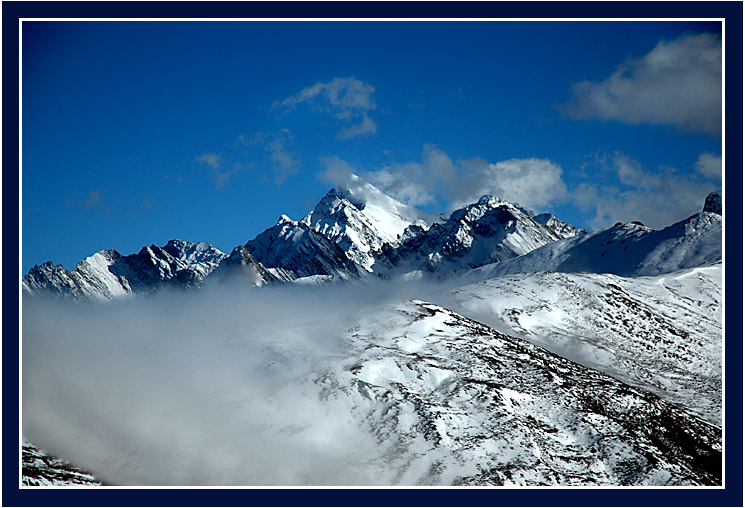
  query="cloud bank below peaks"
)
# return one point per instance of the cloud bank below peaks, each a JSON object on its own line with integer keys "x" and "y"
{"x": 349, "y": 100}
{"x": 678, "y": 83}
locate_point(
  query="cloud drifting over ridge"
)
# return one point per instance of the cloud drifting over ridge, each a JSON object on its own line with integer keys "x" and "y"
{"x": 439, "y": 181}
{"x": 678, "y": 83}
{"x": 615, "y": 187}
{"x": 349, "y": 100}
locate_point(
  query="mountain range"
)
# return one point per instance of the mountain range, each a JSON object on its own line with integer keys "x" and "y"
{"x": 357, "y": 230}
{"x": 550, "y": 355}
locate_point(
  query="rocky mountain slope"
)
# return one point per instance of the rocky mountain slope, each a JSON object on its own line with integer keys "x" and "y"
{"x": 291, "y": 250}
{"x": 471, "y": 406}
{"x": 489, "y": 231}
{"x": 660, "y": 333}
{"x": 39, "y": 469}
{"x": 108, "y": 274}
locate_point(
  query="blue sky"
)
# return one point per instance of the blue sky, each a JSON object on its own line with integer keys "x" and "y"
{"x": 138, "y": 132}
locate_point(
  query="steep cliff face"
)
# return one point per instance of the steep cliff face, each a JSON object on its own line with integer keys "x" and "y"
{"x": 292, "y": 250}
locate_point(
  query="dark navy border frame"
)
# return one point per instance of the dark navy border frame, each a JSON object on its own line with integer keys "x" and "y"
{"x": 732, "y": 495}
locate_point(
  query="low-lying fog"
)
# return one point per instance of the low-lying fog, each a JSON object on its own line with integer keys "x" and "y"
{"x": 200, "y": 388}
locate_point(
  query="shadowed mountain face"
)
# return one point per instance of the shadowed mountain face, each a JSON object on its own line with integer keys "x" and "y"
{"x": 489, "y": 231}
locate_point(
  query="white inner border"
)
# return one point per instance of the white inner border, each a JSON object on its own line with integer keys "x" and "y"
{"x": 292, "y": 487}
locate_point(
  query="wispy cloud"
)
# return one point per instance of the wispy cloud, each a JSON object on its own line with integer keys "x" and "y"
{"x": 283, "y": 162}
{"x": 678, "y": 83}
{"x": 146, "y": 203}
{"x": 95, "y": 202}
{"x": 709, "y": 165}
{"x": 210, "y": 159}
{"x": 656, "y": 198}
{"x": 93, "y": 199}
{"x": 349, "y": 100}
{"x": 217, "y": 172}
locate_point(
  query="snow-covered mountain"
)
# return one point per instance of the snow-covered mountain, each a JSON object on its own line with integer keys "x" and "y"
{"x": 107, "y": 274}
{"x": 360, "y": 219}
{"x": 489, "y": 231}
{"x": 624, "y": 249}
{"x": 548, "y": 355}
{"x": 291, "y": 250}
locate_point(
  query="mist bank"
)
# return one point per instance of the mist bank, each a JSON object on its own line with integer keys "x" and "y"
{"x": 215, "y": 387}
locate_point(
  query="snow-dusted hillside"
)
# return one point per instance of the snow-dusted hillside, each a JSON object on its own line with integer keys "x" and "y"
{"x": 661, "y": 333}
{"x": 107, "y": 274}
{"x": 468, "y": 405}
{"x": 489, "y": 231}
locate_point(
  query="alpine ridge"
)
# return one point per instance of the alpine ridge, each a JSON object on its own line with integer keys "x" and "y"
{"x": 625, "y": 249}
{"x": 489, "y": 231}
{"x": 107, "y": 274}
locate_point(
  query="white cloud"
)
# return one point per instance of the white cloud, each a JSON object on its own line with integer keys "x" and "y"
{"x": 283, "y": 163}
{"x": 531, "y": 182}
{"x": 348, "y": 99}
{"x": 336, "y": 171}
{"x": 439, "y": 182}
{"x": 220, "y": 176}
{"x": 366, "y": 127}
{"x": 709, "y": 165}
{"x": 616, "y": 188}
{"x": 657, "y": 199}
{"x": 210, "y": 159}
{"x": 415, "y": 183}
{"x": 678, "y": 83}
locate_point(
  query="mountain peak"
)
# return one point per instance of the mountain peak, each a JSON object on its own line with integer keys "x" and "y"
{"x": 713, "y": 203}
{"x": 284, "y": 219}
